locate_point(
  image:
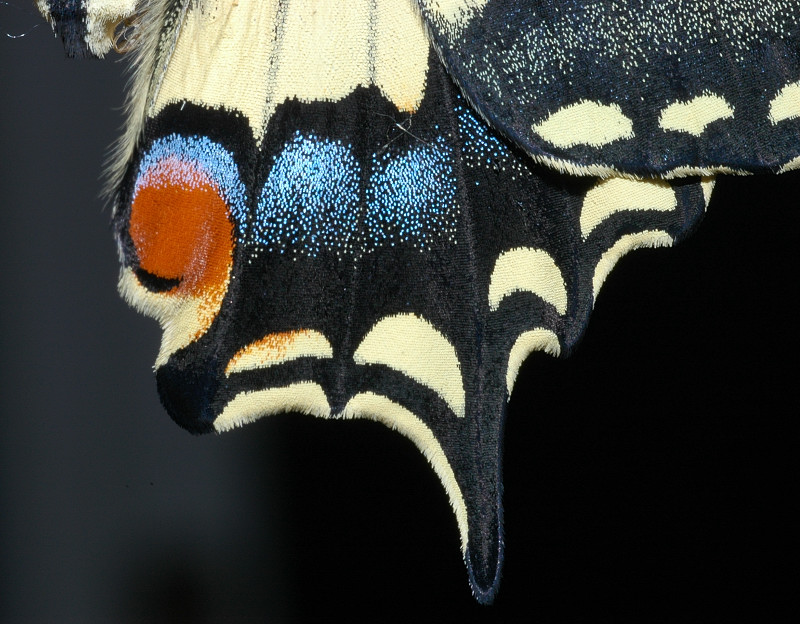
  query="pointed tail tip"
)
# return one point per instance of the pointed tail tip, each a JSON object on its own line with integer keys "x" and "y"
{"x": 484, "y": 576}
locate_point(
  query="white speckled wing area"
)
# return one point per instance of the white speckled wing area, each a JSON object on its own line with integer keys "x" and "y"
{"x": 665, "y": 87}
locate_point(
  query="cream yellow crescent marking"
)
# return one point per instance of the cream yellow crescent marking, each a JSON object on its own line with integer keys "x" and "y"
{"x": 411, "y": 345}
{"x": 305, "y": 397}
{"x": 629, "y": 242}
{"x": 585, "y": 123}
{"x": 531, "y": 270}
{"x": 538, "y": 339}
{"x": 693, "y": 116}
{"x": 279, "y": 348}
{"x": 616, "y": 194}
{"x": 252, "y": 55}
{"x": 793, "y": 164}
{"x": 786, "y": 104}
{"x": 383, "y": 410}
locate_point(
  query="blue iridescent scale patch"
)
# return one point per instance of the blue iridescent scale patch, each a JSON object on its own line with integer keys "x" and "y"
{"x": 411, "y": 196}
{"x": 310, "y": 199}
{"x": 314, "y": 198}
{"x": 482, "y": 149}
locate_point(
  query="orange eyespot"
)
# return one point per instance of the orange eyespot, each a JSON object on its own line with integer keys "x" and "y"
{"x": 181, "y": 228}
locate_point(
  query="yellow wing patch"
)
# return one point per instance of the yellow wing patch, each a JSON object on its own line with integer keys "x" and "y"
{"x": 613, "y": 195}
{"x": 183, "y": 318}
{"x": 793, "y": 164}
{"x": 531, "y": 270}
{"x": 786, "y": 104}
{"x": 585, "y": 123}
{"x": 538, "y": 339}
{"x": 305, "y": 397}
{"x": 629, "y": 242}
{"x": 252, "y": 55}
{"x": 457, "y": 13}
{"x": 693, "y": 116}
{"x": 411, "y": 345}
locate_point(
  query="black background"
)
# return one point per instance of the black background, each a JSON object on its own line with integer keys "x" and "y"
{"x": 651, "y": 477}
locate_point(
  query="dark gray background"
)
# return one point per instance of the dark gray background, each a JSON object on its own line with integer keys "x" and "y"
{"x": 651, "y": 477}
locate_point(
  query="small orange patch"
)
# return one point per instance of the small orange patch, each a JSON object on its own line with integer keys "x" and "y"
{"x": 270, "y": 348}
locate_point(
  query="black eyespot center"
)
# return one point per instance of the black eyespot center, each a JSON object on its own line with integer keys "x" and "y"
{"x": 156, "y": 283}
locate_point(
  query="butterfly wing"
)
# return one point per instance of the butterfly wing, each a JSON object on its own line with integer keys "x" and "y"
{"x": 350, "y": 239}
{"x": 364, "y": 248}
{"x": 666, "y": 87}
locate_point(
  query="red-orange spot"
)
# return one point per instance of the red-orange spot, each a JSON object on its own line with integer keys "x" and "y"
{"x": 181, "y": 229}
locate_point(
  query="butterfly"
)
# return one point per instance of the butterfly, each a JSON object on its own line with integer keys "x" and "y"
{"x": 380, "y": 209}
